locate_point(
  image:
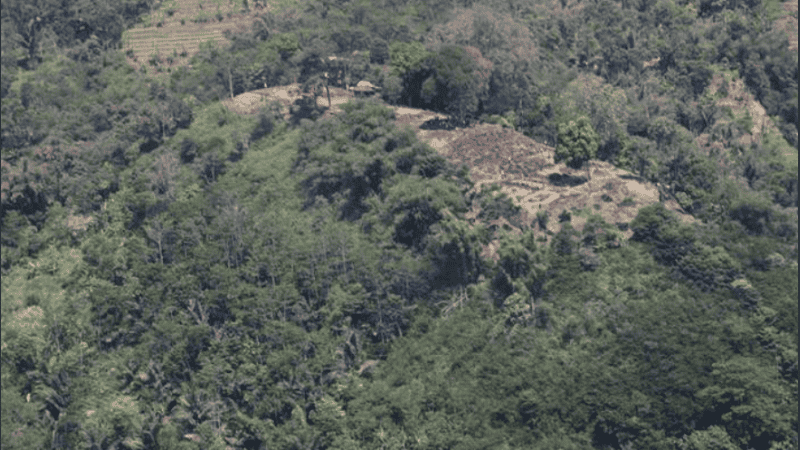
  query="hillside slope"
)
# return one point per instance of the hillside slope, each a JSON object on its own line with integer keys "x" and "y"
{"x": 174, "y": 32}
{"x": 523, "y": 168}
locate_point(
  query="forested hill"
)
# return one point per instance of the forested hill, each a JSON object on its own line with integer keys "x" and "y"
{"x": 178, "y": 276}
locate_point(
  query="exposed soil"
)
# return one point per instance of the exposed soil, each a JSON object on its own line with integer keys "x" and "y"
{"x": 169, "y": 40}
{"x": 251, "y": 102}
{"x": 523, "y": 168}
{"x": 740, "y": 100}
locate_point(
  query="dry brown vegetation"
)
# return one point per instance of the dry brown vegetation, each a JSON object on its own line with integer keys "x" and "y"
{"x": 172, "y": 38}
{"x": 523, "y": 168}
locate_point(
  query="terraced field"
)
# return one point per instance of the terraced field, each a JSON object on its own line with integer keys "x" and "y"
{"x": 167, "y": 38}
{"x": 523, "y": 168}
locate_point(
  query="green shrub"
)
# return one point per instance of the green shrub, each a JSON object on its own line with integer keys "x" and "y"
{"x": 406, "y": 56}
{"x": 500, "y": 205}
{"x": 541, "y": 219}
{"x": 511, "y": 118}
{"x": 565, "y": 216}
{"x": 188, "y": 150}
{"x": 577, "y": 142}
{"x": 775, "y": 260}
{"x": 649, "y": 221}
{"x": 514, "y": 258}
{"x": 670, "y": 239}
{"x": 498, "y": 120}
{"x": 745, "y": 122}
{"x": 266, "y": 121}
{"x": 594, "y": 226}
{"x": 588, "y": 259}
{"x": 753, "y": 211}
{"x": 502, "y": 288}
{"x": 566, "y": 241}
{"x": 714, "y": 437}
{"x": 391, "y": 89}
{"x": 379, "y": 52}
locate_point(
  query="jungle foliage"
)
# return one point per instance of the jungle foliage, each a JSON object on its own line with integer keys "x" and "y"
{"x": 177, "y": 276}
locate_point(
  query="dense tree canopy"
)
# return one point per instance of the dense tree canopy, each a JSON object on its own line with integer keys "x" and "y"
{"x": 178, "y": 276}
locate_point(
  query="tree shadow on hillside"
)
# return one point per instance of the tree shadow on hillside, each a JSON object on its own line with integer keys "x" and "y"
{"x": 305, "y": 108}
{"x": 438, "y": 123}
{"x": 561, "y": 180}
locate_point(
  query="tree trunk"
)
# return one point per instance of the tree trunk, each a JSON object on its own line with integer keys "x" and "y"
{"x": 347, "y": 76}
{"x": 230, "y": 81}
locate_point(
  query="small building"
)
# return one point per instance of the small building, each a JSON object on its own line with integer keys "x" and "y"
{"x": 365, "y": 88}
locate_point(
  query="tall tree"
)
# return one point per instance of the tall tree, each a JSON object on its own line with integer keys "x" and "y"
{"x": 577, "y": 142}
{"x": 453, "y": 87}
{"x": 32, "y": 21}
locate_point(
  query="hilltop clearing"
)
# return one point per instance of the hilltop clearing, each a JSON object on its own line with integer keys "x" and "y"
{"x": 523, "y": 169}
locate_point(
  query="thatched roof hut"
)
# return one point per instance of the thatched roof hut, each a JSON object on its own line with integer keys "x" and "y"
{"x": 365, "y": 88}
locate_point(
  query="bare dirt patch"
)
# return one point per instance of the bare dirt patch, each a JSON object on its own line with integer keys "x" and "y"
{"x": 250, "y": 102}
{"x": 525, "y": 171}
{"x": 741, "y": 103}
{"x": 523, "y": 168}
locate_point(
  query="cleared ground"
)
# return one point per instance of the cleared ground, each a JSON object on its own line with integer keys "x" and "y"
{"x": 523, "y": 168}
